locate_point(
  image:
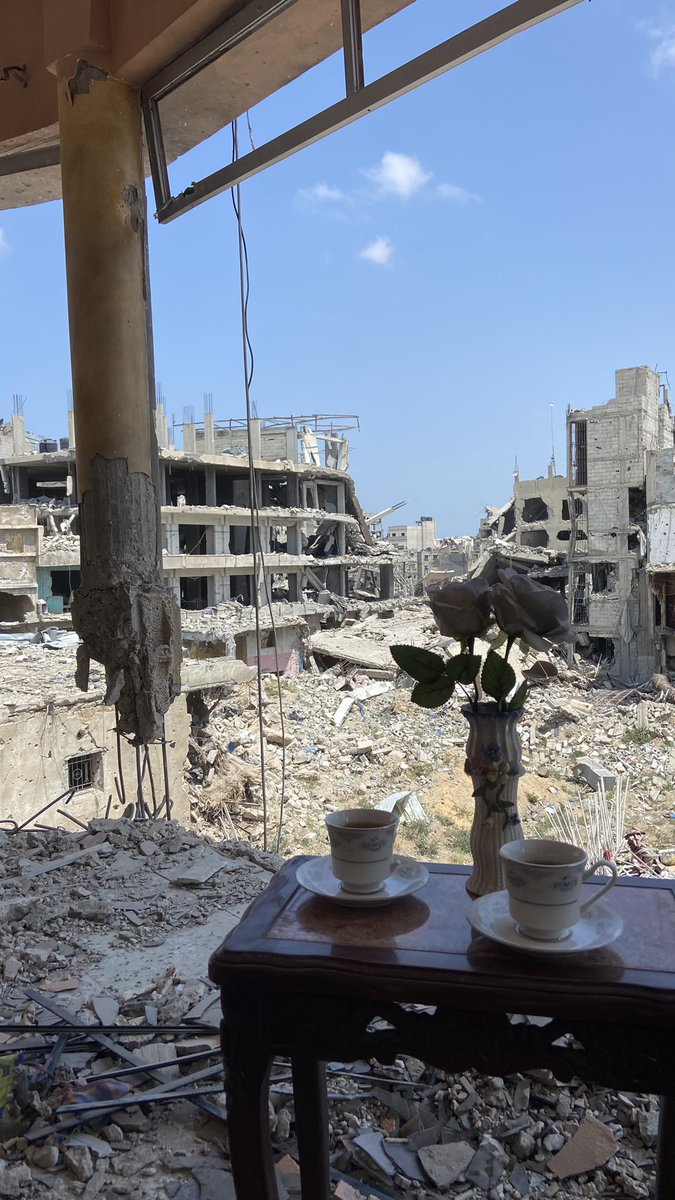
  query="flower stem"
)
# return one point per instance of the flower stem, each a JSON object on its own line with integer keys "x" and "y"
{"x": 509, "y": 642}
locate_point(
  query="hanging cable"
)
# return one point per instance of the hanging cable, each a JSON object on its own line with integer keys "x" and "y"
{"x": 258, "y": 554}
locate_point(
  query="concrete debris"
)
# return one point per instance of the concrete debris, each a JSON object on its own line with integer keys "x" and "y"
{"x": 406, "y": 804}
{"x": 592, "y": 1146}
{"x": 348, "y": 743}
{"x": 109, "y": 927}
{"x": 445, "y": 1164}
{"x": 435, "y": 1142}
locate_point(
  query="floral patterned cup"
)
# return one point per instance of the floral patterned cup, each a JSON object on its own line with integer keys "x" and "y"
{"x": 543, "y": 880}
{"x": 362, "y": 847}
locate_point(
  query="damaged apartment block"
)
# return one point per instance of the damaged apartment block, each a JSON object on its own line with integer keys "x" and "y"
{"x": 313, "y": 534}
{"x": 601, "y": 535}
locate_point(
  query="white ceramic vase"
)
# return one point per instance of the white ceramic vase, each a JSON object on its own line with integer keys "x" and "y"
{"x": 494, "y": 763}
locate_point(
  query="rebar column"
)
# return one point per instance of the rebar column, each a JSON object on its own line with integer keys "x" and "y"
{"x": 126, "y": 615}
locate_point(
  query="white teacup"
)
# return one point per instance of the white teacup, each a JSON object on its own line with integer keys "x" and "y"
{"x": 543, "y": 880}
{"x": 362, "y": 847}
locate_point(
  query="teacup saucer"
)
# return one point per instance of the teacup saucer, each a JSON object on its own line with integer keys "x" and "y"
{"x": 597, "y": 928}
{"x": 407, "y": 876}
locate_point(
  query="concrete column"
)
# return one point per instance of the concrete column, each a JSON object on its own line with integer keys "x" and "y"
{"x": 294, "y": 581}
{"x": 293, "y": 539}
{"x": 189, "y": 438}
{"x": 123, "y": 611}
{"x": 210, "y": 485}
{"x": 209, "y": 435}
{"x": 172, "y": 539}
{"x": 71, "y": 430}
{"x": 341, "y": 533}
{"x": 293, "y": 491}
{"x": 256, "y": 440}
{"x": 386, "y": 581}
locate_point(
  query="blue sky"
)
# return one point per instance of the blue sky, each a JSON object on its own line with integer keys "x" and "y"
{"x": 498, "y": 241}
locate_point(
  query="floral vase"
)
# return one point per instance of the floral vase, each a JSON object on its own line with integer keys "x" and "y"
{"x": 494, "y": 762}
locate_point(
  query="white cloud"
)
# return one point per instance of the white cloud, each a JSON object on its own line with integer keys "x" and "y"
{"x": 662, "y": 56}
{"x": 322, "y": 193}
{"x": 398, "y": 175}
{"x": 4, "y": 244}
{"x": 457, "y": 195}
{"x": 378, "y": 251}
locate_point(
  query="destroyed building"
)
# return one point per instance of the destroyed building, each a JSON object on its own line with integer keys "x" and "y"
{"x": 602, "y": 533}
{"x": 314, "y": 536}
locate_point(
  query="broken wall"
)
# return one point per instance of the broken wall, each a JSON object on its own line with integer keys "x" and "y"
{"x": 38, "y": 753}
{"x": 541, "y": 506}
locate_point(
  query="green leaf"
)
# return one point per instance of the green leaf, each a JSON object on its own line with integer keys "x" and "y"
{"x": 498, "y": 677}
{"x": 420, "y": 664}
{"x": 499, "y": 641}
{"x": 518, "y": 699}
{"x": 432, "y": 695}
{"x": 463, "y": 668}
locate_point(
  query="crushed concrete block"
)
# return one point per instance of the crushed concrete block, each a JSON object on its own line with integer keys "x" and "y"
{"x": 592, "y": 1146}
{"x": 406, "y": 804}
{"x": 445, "y": 1164}
{"x": 488, "y": 1164}
{"x": 99, "y": 912}
{"x": 594, "y": 773}
{"x": 648, "y": 1124}
{"x": 45, "y": 1158}
{"x": 79, "y": 1162}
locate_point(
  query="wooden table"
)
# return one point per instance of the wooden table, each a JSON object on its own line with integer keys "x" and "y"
{"x": 304, "y": 978}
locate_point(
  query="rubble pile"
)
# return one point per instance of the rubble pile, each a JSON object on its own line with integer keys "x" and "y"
{"x": 352, "y": 735}
{"x": 115, "y": 953}
{"x": 413, "y": 1131}
{"x": 115, "y": 957}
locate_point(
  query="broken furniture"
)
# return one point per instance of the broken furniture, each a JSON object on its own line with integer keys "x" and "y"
{"x": 301, "y": 977}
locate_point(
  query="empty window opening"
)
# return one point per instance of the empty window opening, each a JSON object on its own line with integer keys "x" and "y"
{"x": 582, "y": 536}
{"x": 564, "y": 535}
{"x": 64, "y": 584}
{"x": 192, "y": 539}
{"x": 194, "y": 591}
{"x": 273, "y": 492}
{"x": 14, "y": 608}
{"x": 534, "y": 538}
{"x": 83, "y": 771}
{"x": 580, "y": 600}
{"x": 509, "y": 520}
{"x": 185, "y": 487}
{"x": 634, "y": 542}
{"x": 637, "y": 506}
{"x": 535, "y": 509}
{"x": 579, "y": 453}
{"x": 50, "y": 484}
{"x": 232, "y": 489}
{"x": 603, "y": 577}
{"x": 241, "y": 589}
{"x": 327, "y": 495}
{"x": 578, "y": 509}
{"x": 240, "y": 539}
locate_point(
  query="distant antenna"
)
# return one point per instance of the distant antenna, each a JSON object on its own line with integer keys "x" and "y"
{"x": 515, "y": 466}
{"x": 552, "y": 441}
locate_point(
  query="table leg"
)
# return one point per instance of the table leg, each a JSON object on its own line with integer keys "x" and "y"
{"x": 311, "y": 1126}
{"x": 665, "y": 1152}
{"x": 247, "y": 1062}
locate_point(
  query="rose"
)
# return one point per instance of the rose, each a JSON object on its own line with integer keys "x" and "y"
{"x": 461, "y": 610}
{"x": 531, "y": 611}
